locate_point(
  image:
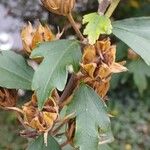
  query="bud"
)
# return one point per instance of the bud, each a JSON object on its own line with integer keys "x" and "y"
{"x": 33, "y": 36}
{"x": 60, "y": 7}
{"x": 8, "y": 98}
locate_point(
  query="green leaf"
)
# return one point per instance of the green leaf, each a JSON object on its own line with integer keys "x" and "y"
{"x": 96, "y": 26}
{"x": 14, "y": 71}
{"x": 140, "y": 72}
{"x": 104, "y": 147}
{"x": 135, "y": 32}
{"x": 52, "y": 72}
{"x": 92, "y": 122}
{"x": 122, "y": 51}
{"x": 38, "y": 144}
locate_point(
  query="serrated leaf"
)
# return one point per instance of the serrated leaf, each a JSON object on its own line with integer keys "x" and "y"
{"x": 14, "y": 71}
{"x": 52, "y": 72}
{"x": 92, "y": 122}
{"x": 135, "y": 32}
{"x": 140, "y": 72}
{"x": 96, "y": 25}
{"x": 38, "y": 144}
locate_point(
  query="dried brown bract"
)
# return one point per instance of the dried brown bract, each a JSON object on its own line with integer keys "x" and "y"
{"x": 8, "y": 98}
{"x": 32, "y": 36}
{"x": 43, "y": 120}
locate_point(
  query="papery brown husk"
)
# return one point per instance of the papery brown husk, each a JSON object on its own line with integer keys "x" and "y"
{"x": 32, "y": 36}
{"x": 98, "y": 64}
{"x": 43, "y": 120}
{"x": 8, "y": 98}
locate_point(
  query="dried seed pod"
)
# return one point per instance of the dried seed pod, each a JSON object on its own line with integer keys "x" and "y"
{"x": 43, "y": 120}
{"x": 60, "y": 7}
{"x": 98, "y": 64}
{"x": 8, "y": 98}
{"x": 33, "y": 36}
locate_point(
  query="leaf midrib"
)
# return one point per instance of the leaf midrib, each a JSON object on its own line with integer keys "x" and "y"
{"x": 15, "y": 74}
{"x": 24, "y": 63}
{"x": 55, "y": 66}
{"x": 91, "y": 116}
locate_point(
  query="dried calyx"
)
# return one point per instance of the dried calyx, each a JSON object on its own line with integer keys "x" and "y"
{"x": 8, "y": 98}
{"x": 98, "y": 64}
{"x": 32, "y": 36}
{"x": 60, "y": 7}
{"x": 41, "y": 121}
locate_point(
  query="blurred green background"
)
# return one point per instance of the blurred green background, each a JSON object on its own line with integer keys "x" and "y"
{"x": 129, "y": 96}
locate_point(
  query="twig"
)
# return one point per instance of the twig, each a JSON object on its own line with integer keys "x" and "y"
{"x": 112, "y": 7}
{"x": 65, "y": 120}
{"x": 72, "y": 22}
{"x": 72, "y": 84}
{"x": 60, "y": 134}
{"x": 21, "y": 120}
{"x": 14, "y": 109}
{"x": 65, "y": 102}
{"x": 29, "y": 134}
{"x": 64, "y": 144}
{"x": 69, "y": 88}
{"x": 103, "y": 5}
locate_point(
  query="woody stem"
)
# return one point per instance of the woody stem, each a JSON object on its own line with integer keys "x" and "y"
{"x": 60, "y": 126}
{"x": 20, "y": 119}
{"x": 69, "y": 88}
{"x": 64, "y": 144}
{"x": 72, "y": 22}
{"x": 103, "y": 5}
{"x": 112, "y": 8}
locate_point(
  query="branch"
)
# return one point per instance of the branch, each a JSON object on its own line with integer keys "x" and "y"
{"x": 103, "y": 5}
{"x": 72, "y": 22}
{"x": 64, "y": 121}
{"x": 69, "y": 88}
{"x": 112, "y": 7}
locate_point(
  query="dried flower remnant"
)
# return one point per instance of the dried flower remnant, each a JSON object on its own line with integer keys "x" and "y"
{"x": 32, "y": 36}
{"x": 132, "y": 55}
{"x": 98, "y": 64}
{"x": 41, "y": 121}
{"x": 8, "y": 98}
{"x": 60, "y": 7}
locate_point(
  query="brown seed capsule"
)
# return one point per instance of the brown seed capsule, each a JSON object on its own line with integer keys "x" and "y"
{"x": 98, "y": 64}
{"x": 33, "y": 36}
{"x": 42, "y": 120}
{"x": 60, "y": 7}
{"x": 8, "y": 98}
